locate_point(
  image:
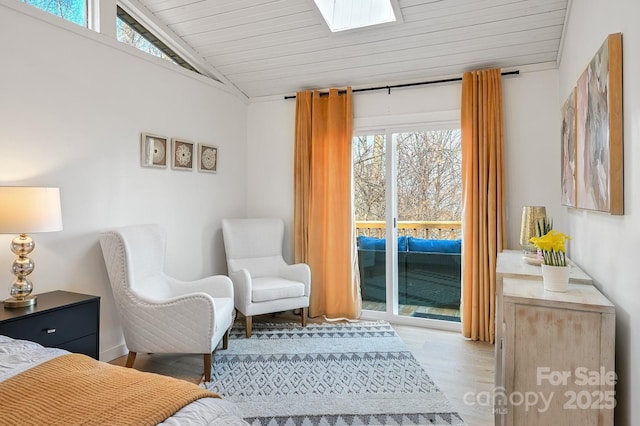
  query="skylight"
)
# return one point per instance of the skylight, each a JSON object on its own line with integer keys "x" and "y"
{"x": 343, "y": 15}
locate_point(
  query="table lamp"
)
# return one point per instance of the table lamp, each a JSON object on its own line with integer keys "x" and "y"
{"x": 26, "y": 210}
{"x": 531, "y": 216}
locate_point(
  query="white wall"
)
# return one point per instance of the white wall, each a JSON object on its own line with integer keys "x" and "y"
{"x": 532, "y": 147}
{"x": 72, "y": 109}
{"x": 270, "y": 163}
{"x": 531, "y": 137}
{"x": 606, "y": 246}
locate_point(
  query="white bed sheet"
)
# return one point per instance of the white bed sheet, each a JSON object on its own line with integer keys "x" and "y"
{"x": 17, "y": 356}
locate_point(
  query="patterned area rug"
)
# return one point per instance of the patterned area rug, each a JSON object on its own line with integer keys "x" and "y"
{"x": 327, "y": 374}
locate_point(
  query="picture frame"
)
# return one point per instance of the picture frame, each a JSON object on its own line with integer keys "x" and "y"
{"x": 153, "y": 150}
{"x": 568, "y": 151}
{"x": 182, "y": 154}
{"x": 207, "y": 158}
{"x": 599, "y": 142}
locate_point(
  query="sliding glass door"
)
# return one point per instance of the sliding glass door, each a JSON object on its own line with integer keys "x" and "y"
{"x": 370, "y": 205}
{"x": 407, "y": 187}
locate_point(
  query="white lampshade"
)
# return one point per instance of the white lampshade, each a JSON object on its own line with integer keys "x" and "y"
{"x": 29, "y": 209}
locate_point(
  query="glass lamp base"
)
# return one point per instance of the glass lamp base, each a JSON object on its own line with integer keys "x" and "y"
{"x": 13, "y": 302}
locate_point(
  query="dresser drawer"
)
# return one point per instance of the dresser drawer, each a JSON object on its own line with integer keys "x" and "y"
{"x": 87, "y": 345}
{"x": 55, "y": 327}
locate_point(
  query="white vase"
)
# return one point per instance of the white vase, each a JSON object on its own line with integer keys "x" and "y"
{"x": 555, "y": 278}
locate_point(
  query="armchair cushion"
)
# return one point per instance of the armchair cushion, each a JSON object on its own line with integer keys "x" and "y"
{"x": 274, "y": 288}
{"x": 216, "y": 286}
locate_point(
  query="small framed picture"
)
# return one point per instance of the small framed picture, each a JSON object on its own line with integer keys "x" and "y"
{"x": 182, "y": 154}
{"x": 153, "y": 151}
{"x": 207, "y": 158}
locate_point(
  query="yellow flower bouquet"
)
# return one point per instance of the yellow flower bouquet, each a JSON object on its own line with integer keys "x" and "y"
{"x": 552, "y": 246}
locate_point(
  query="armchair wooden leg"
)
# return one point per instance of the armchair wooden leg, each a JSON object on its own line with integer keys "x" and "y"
{"x": 225, "y": 339}
{"x": 247, "y": 324}
{"x": 130, "y": 359}
{"x": 207, "y": 367}
{"x": 304, "y": 316}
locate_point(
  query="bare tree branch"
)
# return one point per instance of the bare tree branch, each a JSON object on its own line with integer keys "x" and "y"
{"x": 429, "y": 181}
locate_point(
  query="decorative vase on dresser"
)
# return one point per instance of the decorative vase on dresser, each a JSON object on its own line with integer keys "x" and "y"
{"x": 555, "y": 278}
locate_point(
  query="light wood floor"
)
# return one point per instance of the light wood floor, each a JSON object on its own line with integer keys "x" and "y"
{"x": 456, "y": 365}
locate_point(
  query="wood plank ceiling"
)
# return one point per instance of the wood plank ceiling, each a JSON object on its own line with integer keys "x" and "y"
{"x": 277, "y": 47}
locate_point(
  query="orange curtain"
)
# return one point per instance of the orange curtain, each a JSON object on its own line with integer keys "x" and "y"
{"x": 483, "y": 221}
{"x": 302, "y": 177}
{"x": 323, "y": 212}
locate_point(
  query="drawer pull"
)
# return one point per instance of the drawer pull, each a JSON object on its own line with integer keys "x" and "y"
{"x": 51, "y": 330}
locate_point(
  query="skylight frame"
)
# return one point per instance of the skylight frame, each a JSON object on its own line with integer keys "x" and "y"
{"x": 394, "y": 7}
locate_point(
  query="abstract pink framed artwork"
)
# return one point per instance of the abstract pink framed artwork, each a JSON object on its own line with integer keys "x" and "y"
{"x": 599, "y": 163}
{"x": 568, "y": 153}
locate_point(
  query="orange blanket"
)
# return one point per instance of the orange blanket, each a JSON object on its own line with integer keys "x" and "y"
{"x": 77, "y": 390}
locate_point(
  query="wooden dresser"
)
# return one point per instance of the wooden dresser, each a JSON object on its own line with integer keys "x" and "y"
{"x": 554, "y": 351}
{"x": 558, "y": 353}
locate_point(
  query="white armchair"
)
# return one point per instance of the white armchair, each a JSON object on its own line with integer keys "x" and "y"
{"x": 263, "y": 282}
{"x": 160, "y": 314}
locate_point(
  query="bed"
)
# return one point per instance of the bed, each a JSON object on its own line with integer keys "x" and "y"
{"x": 34, "y": 381}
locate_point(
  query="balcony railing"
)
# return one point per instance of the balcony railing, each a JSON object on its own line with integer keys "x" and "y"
{"x": 438, "y": 230}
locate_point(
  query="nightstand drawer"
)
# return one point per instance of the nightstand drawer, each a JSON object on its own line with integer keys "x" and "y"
{"x": 56, "y": 327}
{"x": 60, "y": 319}
{"x": 85, "y": 345}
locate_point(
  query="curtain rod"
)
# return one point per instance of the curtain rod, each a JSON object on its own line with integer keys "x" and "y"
{"x": 396, "y": 86}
